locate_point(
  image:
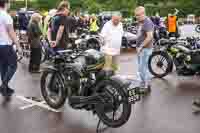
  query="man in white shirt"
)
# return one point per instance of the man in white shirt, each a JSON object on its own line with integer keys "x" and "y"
{"x": 8, "y": 58}
{"x": 112, "y": 33}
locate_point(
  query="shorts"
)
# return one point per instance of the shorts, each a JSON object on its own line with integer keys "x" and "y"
{"x": 111, "y": 63}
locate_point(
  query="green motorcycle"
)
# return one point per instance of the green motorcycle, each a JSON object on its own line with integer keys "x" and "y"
{"x": 173, "y": 52}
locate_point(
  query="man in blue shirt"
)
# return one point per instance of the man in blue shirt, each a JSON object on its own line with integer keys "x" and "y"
{"x": 144, "y": 46}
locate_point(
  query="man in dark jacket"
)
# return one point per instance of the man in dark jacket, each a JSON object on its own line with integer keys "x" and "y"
{"x": 57, "y": 31}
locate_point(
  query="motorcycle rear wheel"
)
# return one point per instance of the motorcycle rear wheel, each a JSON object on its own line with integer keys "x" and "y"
{"x": 102, "y": 109}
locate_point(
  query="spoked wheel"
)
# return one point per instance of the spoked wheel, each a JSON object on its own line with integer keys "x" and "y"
{"x": 197, "y": 29}
{"x": 116, "y": 112}
{"x": 53, "y": 89}
{"x": 160, "y": 64}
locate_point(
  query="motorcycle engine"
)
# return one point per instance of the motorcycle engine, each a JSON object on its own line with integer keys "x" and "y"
{"x": 94, "y": 59}
{"x": 180, "y": 60}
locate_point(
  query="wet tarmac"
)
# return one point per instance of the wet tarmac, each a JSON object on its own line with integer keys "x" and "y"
{"x": 168, "y": 109}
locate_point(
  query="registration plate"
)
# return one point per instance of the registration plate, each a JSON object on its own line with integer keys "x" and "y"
{"x": 133, "y": 95}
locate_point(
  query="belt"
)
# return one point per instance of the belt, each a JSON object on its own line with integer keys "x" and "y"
{"x": 2, "y": 46}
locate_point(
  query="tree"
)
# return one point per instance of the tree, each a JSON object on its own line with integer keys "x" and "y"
{"x": 95, "y": 6}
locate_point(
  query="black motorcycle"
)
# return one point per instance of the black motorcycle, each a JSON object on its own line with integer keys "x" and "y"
{"x": 79, "y": 77}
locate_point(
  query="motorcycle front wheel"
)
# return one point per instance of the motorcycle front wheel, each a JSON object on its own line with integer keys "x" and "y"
{"x": 197, "y": 29}
{"x": 163, "y": 64}
{"x": 107, "y": 112}
{"x": 53, "y": 89}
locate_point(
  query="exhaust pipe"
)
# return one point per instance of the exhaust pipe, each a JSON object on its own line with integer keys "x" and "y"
{"x": 81, "y": 100}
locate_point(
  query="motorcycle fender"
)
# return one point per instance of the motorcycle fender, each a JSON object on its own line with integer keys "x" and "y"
{"x": 124, "y": 84}
{"x": 49, "y": 69}
{"x": 93, "y": 38}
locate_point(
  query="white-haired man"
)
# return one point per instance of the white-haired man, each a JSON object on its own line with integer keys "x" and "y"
{"x": 144, "y": 46}
{"x": 112, "y": 33}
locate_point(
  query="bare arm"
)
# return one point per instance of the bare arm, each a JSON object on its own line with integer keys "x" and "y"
{"x": 49, "y": 35}
{"x": 60, "y": 33}
{"x": 148, "y": 39}
{"x": 12, "y": 34}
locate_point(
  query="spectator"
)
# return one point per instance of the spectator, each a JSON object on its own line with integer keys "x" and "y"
{"x": 112, "y": 33}
{"x": 8, "y": 58}
{"x": 144, "y": 46}
{"x": 34, "y": 34}
{"x": 23, "y": 21}
{"x": 57, "y": 31}
{"x": 93, "y": 25}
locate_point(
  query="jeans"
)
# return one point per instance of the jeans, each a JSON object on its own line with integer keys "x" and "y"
{"x": 8, "y": 63}
{"x": 143, "y": 71}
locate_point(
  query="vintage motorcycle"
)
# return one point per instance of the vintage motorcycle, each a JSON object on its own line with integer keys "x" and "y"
{"x": 79, "y": 77}
{"x": 87, "y": 40}
{"x": 182, "y": 55}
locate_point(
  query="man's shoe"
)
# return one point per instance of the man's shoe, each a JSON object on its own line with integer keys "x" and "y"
{"x": 196, "y": 105}
{"x": 1, "y": 88}
{"x": 7, "y": 92}
{"x": 145, "y": 90}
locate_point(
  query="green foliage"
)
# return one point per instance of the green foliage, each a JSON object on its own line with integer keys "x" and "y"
{"x": 126, "y": 6}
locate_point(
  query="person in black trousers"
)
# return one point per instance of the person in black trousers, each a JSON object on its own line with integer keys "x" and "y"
{"x": 8, "y": 57}
{"x": 34, "y": 34}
